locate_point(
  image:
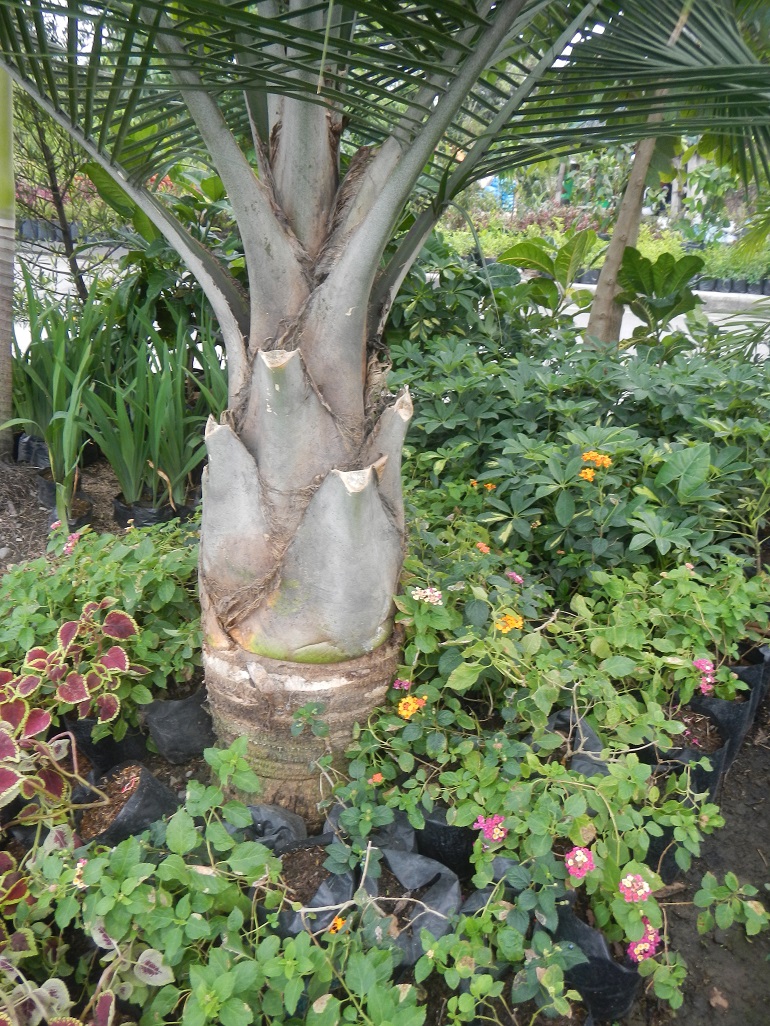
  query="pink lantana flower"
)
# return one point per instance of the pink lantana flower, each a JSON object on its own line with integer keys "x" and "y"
{"x": 579, "y": 861}
{"x": 401, "y": 685}
{"x": 72, "y": 540}
{"x": 513, "y": 576}
{"x": 634, "y": 887}
{"x": 646, "y": 947}
{"x": 491, "y": 827}
{"x": 704, "y": 665}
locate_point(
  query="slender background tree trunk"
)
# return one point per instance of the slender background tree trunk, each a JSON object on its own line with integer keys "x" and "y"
{"x": 7, "y": 226}
{"x": 607, "y": 315}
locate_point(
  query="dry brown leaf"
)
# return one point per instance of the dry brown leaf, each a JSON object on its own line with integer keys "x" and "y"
{"x": 718, "y": 1000}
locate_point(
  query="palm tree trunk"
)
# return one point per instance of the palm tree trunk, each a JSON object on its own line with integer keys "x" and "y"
{"x": 606, "y": 316}
{"x": 7, "y": 226}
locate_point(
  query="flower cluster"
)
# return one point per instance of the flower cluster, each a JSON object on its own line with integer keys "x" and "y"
{"x": 513, "y": 576}
{"x": 376, "y": 778}
{"x": 509, "y": 622}
{"x": 579, "y": 861}
{"x": 646, "y": 947}
{"x": 707, "y": 680}
{"x": 491, "y": 827}
{"x": 429, "y": 595}
{"x": 597, "y": 458}
{"x": 72, "y": 540}
{"x": 634, "y": 887}
{"x": 490, "y": 487}
{"x": 408, "y": 706}
{"x": 401, "y": 685}
{"x": 483, "y": 549}
{"x": 337, "y": 923}
{"x": 587, "y": 474}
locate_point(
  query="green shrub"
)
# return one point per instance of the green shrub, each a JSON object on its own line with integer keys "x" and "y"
{"x": 151, "y": 571}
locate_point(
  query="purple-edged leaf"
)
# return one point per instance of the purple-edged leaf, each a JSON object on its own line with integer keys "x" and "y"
{"x": 104, "y": 1010}
{"x": 10, "y": 784}
{"x": 73, "y": 689}
{"x": 6, "y": 679}
{"x": 84, "y": 708}
{"x": 107, "y": 708}
{"x": 25, "y": 686}
{"x": 100, "y": 937}
{"x": 30, "y": 785}
{"x": 119, "y": 625}
{"x": 14, "y": 712}
{"x": 137, "y": 669}
{"x": 89, "y": 609}
{"x": 67, "y": 634}
{"x": 151, "y": 969}
{"x": 9, "y": 750}
{"x": 22, "y": 942}
{"x": 115, "y": 659}
{"x": 37, "y": 722}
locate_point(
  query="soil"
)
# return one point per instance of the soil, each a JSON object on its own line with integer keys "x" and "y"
{"x": 303, "y": 872}
{"x": 118, "y": 788}
{"x": 396, "y": 900}
{"x": 728, "y": 983}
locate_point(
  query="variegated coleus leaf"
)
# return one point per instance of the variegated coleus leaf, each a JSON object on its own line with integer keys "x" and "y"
{"x": 9, "y": 750}
{"x": 38, "y": 659}
{"x": 152, "y": 970}
{"x": 73, "y": 689}
{"x": 65, "y": 1020}
{"x": 7, "y": 680}
{"x": 36, "y": 722}
{"x": 100, "y": 936}
{"x": 67, "y": 634}
{"x": 13, "y": 713}
{"x": 13, "y": 890}
{"x": 119, "y": 625}
{"x": 54, "y": 997}
{"x": 107, "y": 708}
{"x": 21, "y": 943}
{"x": 10, "y": 786}
{"x": 114, "y": 660}
{"x": 28, "y": 684}
{"x": 104, "y": 1010}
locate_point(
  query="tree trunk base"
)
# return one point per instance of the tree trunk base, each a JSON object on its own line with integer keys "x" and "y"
{"x": 258, "y": 697}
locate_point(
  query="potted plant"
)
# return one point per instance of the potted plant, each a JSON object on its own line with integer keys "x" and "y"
{"x": 51, "y": 408}
{"x": 149, "y": 437}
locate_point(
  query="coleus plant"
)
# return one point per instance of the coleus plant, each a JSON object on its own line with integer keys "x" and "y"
{"x": 84, "y": 671}
{"x": 49, "y": 1003}
{"x": 86, "y": 668}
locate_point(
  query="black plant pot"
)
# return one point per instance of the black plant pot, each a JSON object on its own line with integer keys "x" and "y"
{"x": 706, "y": 284}
{"x": 32, "y": 450}
{"x": 740, "y": 285}
{"x": 608, "y": 989}
{"x": 399, "y": 835}
{"x": 435, "y": 907}
{"x": 724, "y": 285}
{"x": 140, "y": 515}
{"x": 733, "y": 718}
{"x": 150, "y": 801}
{"x": 81, "y": 512}
{"x": 754, "y": 288}
{"x": 452, "y": 846}
{"x": 180, "y": 728}
{"x": 108, "y": 752}
{"x": 766, "y": 286}
{"x": 275, "y": 827}
{"x": 336, "y": 889}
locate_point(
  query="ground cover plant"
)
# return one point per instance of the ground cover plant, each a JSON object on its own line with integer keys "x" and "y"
{"x": 586, "y": 559}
